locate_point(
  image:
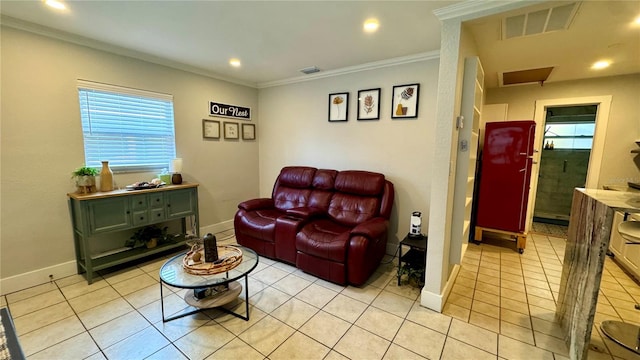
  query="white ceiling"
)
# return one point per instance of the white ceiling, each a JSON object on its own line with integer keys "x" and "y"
{"x": 275, "y": 39}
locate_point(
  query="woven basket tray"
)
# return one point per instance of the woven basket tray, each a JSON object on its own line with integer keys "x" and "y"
{"x": 228, "y": 258}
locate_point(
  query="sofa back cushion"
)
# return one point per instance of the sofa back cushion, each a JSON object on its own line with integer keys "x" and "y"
{"x": 293, "y": 187}
{"x": 357, "y": 198}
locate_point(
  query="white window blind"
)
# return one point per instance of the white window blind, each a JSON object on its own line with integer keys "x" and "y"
{"x": 132, "y": 129}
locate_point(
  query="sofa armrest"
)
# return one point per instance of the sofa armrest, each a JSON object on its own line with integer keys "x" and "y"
{"x": 305, "y": 212}
{"x": 256, "y": 204}
{"x": 371, "y": 229}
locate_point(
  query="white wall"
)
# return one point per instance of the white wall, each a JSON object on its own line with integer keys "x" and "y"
{"x": 294, "y": 131}
{"x": 41, "y": 143}
{"x": 618, "y": 166}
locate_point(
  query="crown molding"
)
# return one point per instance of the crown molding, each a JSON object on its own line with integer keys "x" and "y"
{"x": 474, "y": 9}
{"x": 114, "y": 49}
{"x": 431, "y": 55}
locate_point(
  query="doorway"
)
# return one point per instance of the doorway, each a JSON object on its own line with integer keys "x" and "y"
{"x": 564, "y": 160}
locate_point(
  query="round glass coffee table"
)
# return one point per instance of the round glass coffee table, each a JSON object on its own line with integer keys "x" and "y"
{"x": 173, "y": 274}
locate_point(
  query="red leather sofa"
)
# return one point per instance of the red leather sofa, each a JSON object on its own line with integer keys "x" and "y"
{"x": 332, "y": 224}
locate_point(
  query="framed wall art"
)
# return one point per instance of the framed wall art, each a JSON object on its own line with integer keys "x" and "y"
{"x": 248, "y": 132}
{"x": 210, "y": 129}
{"x": 369, "y": 104}
{"x": 338, "y": 106}
{"x": 231, "y": 130}
{"x": 404, "y": 104}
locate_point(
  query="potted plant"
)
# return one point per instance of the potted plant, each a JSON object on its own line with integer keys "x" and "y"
{"x": 85, "y": 179}
{"x": 414, "y": 276}
{"x": 150, "y": 236}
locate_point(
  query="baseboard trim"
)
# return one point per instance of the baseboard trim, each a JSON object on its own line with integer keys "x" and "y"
{"x": 435, "y": 301}
{"x": 59, "y": 271}
{"x": 37, "y": 277}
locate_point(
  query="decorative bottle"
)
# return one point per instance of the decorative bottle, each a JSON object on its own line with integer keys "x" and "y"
{"x": 210, "y": 248}
{"x": 106, "y": 177}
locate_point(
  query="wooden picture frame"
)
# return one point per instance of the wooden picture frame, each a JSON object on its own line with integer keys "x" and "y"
{"x": 369, "y": 104}
{"x": 248, "y": 131}
{"x": 231, "y": 130}
{"x": 404, "y": 103}
{"x": 338, "y": 106}
{"x": 210, "y": 129}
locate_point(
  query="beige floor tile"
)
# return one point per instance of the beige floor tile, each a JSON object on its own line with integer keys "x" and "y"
{"x": 300, "y": 346}
{"x": 121, "y": 275}
{"x": 513, "y": 295}
{"x": 118, "y": 329}
{"x": 175, "y": 329}
{"x": 235, "y": 324}
{"x": 97, "y": 356}
{"x": 511, "y": 270}
{"x": 325, "y": 328}
{"x": 488, "y": 272}
{"x": 543, "y": 293}
{"x": 367, "y": 294}
{"x": 35, "y": 303}
{"x": 516, "y": 318}
{"x": 509, "y": 348}
{"x": 488, "y": 288}
{"x": 617, "y": 294}
{"x": 487, "y": 309}
{"x": 345, "y": 308}
{"x": 42, "y": 317}
{"x": 468, "y": 274}
{"x": 539, "y": 281}
{"x": 488, "y": 279}
{"x": 551, "y": 343}
{"x": 269, "y": 275}
{"x": 291, "y": 284}
{"x": 456, "y": 311}
{"x": 329, "y": 285}
{"x": 489, "y": 265}
{"x": 146, "y": 295}
{"x": 105, "y": 312}
{"x": 138, "y": 346}
{"x": 50, "y": 335}
{"x": 396, "y": 352}
{"x": 517, "y": 332}
{"x": 455, "y": 350}
{"x": 285, "y": 267}
{"x": 429, "y": 318}
{"x": 73, "y": 279}
{"x": 80, "y": 288}
{"x": 269, "y": 299}
{"x": 410, "y": 292}
{"x": 316, "y": 295}
{"x": 361, "y": 344}
{"x": 129, "y": 286}
{"x": 78, "y": 347}
{"x": 294, "y": 312}
{"x": 395, "y": 304}
{"x": 511, "y": 285}
{"x": 380, "y": 322}
{"x": 474, "y": 335}
{"x": 3, "y": 301}
{"x": 460, "y": 300}
{"x": 169, "y": 352}
{"x": 542, "y": 313}
{"x": 412, "y": 336}
{"x": 93, "y": 299}
{"x": 381, "y": 279}
{"x": 466, "y": 282}
{"x": 511, "y": 277}
{"x": 231, "y": 350}
{"x": 513, "y": 305}
{"x": 463, "y": 290}
{"x": 204, "y": 341}
{"x": 547, "y": 327}
{"x": 488, "y": 298}
{"x": 31, "y": 292}
{"x": 173, "y": 304}
{"x": 484, "y": 321}
{"x": 541, "y": 302}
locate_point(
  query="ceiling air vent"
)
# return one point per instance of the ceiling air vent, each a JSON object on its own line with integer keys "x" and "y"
{"x": 539, "y": 21}
{"x": 523, "y": 77}
{"x": 310, "y": 70}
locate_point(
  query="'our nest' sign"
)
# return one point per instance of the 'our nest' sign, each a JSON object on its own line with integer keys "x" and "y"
{"x": 230, "y": 111}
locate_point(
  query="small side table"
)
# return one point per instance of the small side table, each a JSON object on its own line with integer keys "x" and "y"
{"x": 415, "y": 257}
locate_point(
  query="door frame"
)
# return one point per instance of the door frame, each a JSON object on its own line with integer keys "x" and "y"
{"x": 597, "y": 150}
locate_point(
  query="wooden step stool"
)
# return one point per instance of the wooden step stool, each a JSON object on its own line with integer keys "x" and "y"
{"x": 520, "y": 238}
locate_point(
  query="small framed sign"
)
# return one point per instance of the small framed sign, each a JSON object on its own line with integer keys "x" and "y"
{"x": 369, "y": 104}
{"x": 404, "y": 104}
{"x": 231, "y": 130}
{"x": 248, "y": 132}
{"x": 210, "y": 129}
{"x": 230, "y": 111}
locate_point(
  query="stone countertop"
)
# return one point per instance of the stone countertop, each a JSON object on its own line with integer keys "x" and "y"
{"x": 623, "y": 188}
{"x": 617, "y": 200}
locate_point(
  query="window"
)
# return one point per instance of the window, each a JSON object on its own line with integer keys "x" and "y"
{"x": 132, "y": 129}
{"x": 570, "y": 136}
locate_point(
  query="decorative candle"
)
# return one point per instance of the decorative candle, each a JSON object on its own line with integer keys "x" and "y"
{"x": 176, "y": 165}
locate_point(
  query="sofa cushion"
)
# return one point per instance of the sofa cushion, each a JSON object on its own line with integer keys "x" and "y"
{"x": 360, "y": 182}
{"x": 288, "y": 198}
{"x": 296, "y": 176}
{"x": 324, "y": 239}
{"x": 259, "y": 223}
{"x": 324, "y": 179}
{"x": 351, "y": 210}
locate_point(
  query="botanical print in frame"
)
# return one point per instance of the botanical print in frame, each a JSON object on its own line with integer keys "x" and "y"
{"x": 369, "y": 104}
{"x": 338, "y": 106}
{"x": 405, "y": 101}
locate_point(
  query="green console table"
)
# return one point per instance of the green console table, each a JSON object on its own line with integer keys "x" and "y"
{"x": 104, "y": 212}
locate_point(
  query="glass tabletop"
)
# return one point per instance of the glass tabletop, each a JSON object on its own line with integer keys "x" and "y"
{"x": 173, "y": 274}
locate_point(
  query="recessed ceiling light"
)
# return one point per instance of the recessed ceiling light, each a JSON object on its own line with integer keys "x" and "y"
{"x": 601, "y": 64}
{"x": 234, "y": 62}
{"x": 371, "y": 25}
{"x": 56, "y": 4}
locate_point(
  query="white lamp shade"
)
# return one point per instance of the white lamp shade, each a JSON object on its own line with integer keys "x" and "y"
{"x": 176, "y": 165}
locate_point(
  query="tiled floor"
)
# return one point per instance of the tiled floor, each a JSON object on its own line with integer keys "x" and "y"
{"x": 501, "y": 306}
{"x": 550, "y": 229}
